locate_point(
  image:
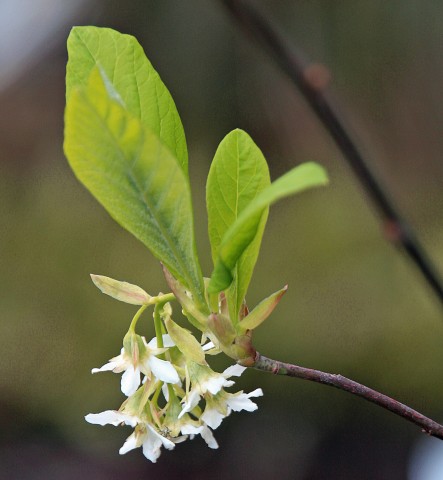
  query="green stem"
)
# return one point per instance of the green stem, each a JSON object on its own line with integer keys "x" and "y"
{"x": 158, "y": 300}
{"x": 162, "y": 299}
{"x": 136, "y": 317}
{"x": 158, "y": 326}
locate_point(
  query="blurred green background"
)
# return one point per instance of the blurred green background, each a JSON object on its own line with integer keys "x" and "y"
{"x": 355, "y": 305}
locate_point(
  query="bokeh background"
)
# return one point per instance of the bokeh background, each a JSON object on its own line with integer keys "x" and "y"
{"x": 355, "y": 305}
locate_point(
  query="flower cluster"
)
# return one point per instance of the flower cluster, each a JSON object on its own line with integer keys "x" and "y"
{"x": 179, "y": 396}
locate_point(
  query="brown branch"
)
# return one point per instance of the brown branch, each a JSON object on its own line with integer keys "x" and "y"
{"x": 338, "y": 381}
{"x": 311, "y": 80}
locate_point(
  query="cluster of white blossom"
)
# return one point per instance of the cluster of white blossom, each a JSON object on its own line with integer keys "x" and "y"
{"x": 178, "y": 397}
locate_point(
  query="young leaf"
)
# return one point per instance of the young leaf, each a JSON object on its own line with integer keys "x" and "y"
{"x": 135, "y": 82}
{"x": 123, "y": 291}
{"x": 134, "y": 176}
{"x": 238, "y": 173}
{"x": 262, "y": 311}
{"x": 242, "y": 232}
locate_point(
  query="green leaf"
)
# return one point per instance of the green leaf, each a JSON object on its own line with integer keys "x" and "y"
{"x": 135, "y": 82}
{"x": 134, "y": 176}
{"x": 262, "y": 311}
{"x": 238, "y": 173}
{"x": 242, "y": 232}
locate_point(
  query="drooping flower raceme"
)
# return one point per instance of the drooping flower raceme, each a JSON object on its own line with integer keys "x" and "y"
{"x": 166, "y": 406}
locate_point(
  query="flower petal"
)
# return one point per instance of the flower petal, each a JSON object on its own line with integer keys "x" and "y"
{"x": 234, "y": 371}
{"x": 208, "y": 346}
{"x": 180, "y": 439}
{"x": 165, "y": 441}
{"x": 106, "y": 367}
{"x": 152, "y": 448}
{"x": 130, "y": 380}
{"x": 188, "y": 429}
{"x": 153, "y": 442}
{"x": 167, "y": 342}
{"x": 163, "y": 370}
{"x": 209, "y": 438}
{"x": 215, "y": 383}
{"x": 242, "y": 402}
{"x": 108, "y": 417}
{"x": 258, "y": 392}
{"x": 165, "y": 392}
{"x": 212, "y": 417}
{"x": 130, "y": 443}
{"x": 191, "y": 400}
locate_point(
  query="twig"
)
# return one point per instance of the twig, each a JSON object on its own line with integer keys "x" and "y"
{"x": 338, "y": 381}
{"x": 396, "y": 228}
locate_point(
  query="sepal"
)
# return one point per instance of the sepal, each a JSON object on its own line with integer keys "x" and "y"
{"x": 185, "y": 341}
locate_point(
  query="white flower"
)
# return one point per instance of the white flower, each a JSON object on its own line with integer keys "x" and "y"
{"x": 138, "y": 357}
{"x": 221, "y": 405}
{"x": 144, "y": 435}
{"x": 184, "y": 424}
{"x": 204, "y": 380}
{"x": 149, "y": 439}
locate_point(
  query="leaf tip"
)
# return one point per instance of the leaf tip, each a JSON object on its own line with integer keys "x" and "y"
{"x": 320, "y": 171}
{"x": 282, "y": 292}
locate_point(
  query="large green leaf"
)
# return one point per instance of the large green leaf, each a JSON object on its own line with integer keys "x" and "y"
{"x": 238, "y": 173}
{"x": 133, "y": 77}
{"x": 243, "y": 230}
{"x": 134, "y": 176}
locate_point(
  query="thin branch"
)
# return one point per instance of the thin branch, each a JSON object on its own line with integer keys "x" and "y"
{"x": 338, "y": 381}
{"x": 309, "y": 81}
